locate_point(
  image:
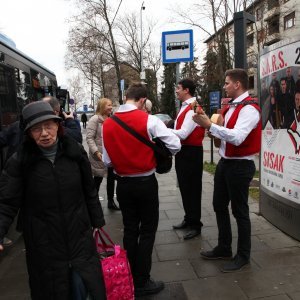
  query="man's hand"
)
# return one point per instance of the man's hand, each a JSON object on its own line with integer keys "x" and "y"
{"x": 67, "y": 116}
{"x": 202, "y": 119}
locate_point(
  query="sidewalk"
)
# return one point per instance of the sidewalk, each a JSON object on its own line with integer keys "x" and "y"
{"x": 274, "y": 272}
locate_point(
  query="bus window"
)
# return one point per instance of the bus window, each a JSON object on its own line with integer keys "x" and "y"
{"x": 8, "y": 105}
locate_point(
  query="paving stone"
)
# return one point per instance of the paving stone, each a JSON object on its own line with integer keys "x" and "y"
{"x": 167, "y": 206}
{"x": 279, "y": 257}
{"x": 175, "y": 270}
{"x": 280, "y": 297}
{"x": 293, "y": 296}
{"x": 175, "y": 213}
{"x": 264, "y": 283}
{"x": 166, "y": 237}
{"x": 172, "y": 291}
{"x": 180, "y": 251}
{"x": 213, "y": 289}
{"x": 162, "y": 215}
{"x": 278, "y": 240}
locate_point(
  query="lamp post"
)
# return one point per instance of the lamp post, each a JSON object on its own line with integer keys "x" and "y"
{"x": 142, "y": 75}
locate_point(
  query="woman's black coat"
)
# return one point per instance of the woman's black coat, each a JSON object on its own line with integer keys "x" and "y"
{"x": 59, "y": 207}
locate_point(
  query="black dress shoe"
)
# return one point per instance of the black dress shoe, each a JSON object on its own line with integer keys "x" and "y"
{"x": 216, "y": 254}
{"x": 112, "y": 205}
{"x": 191, "y": 234}
{"x": 151, "y": 287}
{"x": 236, "y": 264}
{"x": 181, "y": 225}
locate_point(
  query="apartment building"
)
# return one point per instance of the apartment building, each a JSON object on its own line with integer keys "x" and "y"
{"x": 275, "y": 20}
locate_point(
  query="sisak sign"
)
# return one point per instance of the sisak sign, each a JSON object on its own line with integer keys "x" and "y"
{"x": 280, "y": 151}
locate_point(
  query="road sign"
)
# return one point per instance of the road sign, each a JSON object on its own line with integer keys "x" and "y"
{"x": 177, "y": 46}
{"x": 122, "y": 84}
{"x": 214, "y": 99}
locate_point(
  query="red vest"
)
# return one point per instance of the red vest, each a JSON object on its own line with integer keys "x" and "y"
{"x": 196, "y": 136}
{"x": 252, "y": 143}
{"x": 128, "y": 155}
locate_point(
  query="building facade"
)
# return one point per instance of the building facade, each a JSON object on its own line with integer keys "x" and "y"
{"x": 275, "y": 20}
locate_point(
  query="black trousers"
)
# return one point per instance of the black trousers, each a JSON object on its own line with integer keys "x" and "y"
{"x": 110, "y": 184}
{"x": 97, "y": 181}
{"x": 189, "y": 169}
{"x": 138, "y": 199}
{"x": 231, "y": 182}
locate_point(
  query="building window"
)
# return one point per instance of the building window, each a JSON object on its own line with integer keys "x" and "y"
{"x": 273, "y": 25}
{"x": 259, "y": 13}
{"x": 272, "y": 4}
{"x": 289, "y": 21}
{"x": 250, "y": 39}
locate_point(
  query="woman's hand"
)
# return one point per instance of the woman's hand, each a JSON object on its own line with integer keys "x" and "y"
{"x": 98, "y": 155}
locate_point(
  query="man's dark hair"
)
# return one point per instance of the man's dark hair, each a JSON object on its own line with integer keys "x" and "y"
{"x": 283, "y": 79}
{"x": 188, "y": 83}
{"x": 238, "y": 75}
{"x": 136, "y": 91}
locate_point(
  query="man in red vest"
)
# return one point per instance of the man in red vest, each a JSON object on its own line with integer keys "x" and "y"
{"x": 137, "y": 191}
{"x": 240, "y": 141}
{"x": 189, "y": 161}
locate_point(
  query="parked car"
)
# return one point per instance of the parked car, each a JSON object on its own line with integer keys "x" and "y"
{"x": 166, "y": 119}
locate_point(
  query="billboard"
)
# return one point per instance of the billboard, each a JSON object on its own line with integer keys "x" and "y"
{"x": 279, "y": 68}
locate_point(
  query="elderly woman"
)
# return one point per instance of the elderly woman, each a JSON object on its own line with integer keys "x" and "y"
{"x": 94, "y": 141}
{"x": 49, "y": 179}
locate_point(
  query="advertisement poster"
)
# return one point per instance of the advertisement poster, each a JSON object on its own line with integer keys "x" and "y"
{"x": 280, "y": 104}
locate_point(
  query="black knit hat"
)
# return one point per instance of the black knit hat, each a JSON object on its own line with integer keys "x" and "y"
{"x": 36, "y": 112}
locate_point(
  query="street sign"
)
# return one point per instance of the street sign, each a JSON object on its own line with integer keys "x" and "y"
{"x": 85, "y": 107}
{"x": 122, "y": 84}
{"x": 214, "y": 99}
{"x": 177, "y": 46}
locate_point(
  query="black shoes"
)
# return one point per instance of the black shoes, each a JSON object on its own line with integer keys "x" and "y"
{"x": 216, "y": 254}
{"x": 112, "y": 205}
{"x": 236, "y": 264}
{"x": 191, "y": 234}
{"x": 151, "y": 287}
{"x": 181, "y": 225}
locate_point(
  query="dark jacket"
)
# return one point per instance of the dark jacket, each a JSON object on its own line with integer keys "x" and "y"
{"x": 59, "y": 206}
{"x": 72, "y": 129}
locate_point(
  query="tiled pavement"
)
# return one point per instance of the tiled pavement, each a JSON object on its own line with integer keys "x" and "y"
{"x": 274, "y": 272}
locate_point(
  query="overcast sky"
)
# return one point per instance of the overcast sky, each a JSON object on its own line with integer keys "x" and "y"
{"x": 40, "y": 30}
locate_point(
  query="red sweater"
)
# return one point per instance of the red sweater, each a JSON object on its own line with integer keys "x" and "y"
{"x": 196, "y": 136}
{"x": 252, "y": 143}
{"x": 128, "y": 155}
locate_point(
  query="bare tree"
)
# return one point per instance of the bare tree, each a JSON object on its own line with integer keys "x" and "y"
{"x": 77, "y": 90}
{"x": 93, "y": 44}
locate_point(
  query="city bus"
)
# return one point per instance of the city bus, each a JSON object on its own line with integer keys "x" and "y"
{"x": 22, "y": 80}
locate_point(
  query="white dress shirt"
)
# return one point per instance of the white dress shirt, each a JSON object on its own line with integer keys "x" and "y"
{"x": 155, "y": 128}
{"x": 188, "y": 124}
{"x": 247, "y": 120}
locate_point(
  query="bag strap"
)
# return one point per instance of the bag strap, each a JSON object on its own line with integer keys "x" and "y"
{"x": 99, "y": 233}
{"x": 137, "y": 135}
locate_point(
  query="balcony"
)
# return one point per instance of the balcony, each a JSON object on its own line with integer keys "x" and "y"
{"x": 272, "y": 38}
{"x": 273, "y": 12}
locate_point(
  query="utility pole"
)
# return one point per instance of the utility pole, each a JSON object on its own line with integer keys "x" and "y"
{"x": 142, "y": 74}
